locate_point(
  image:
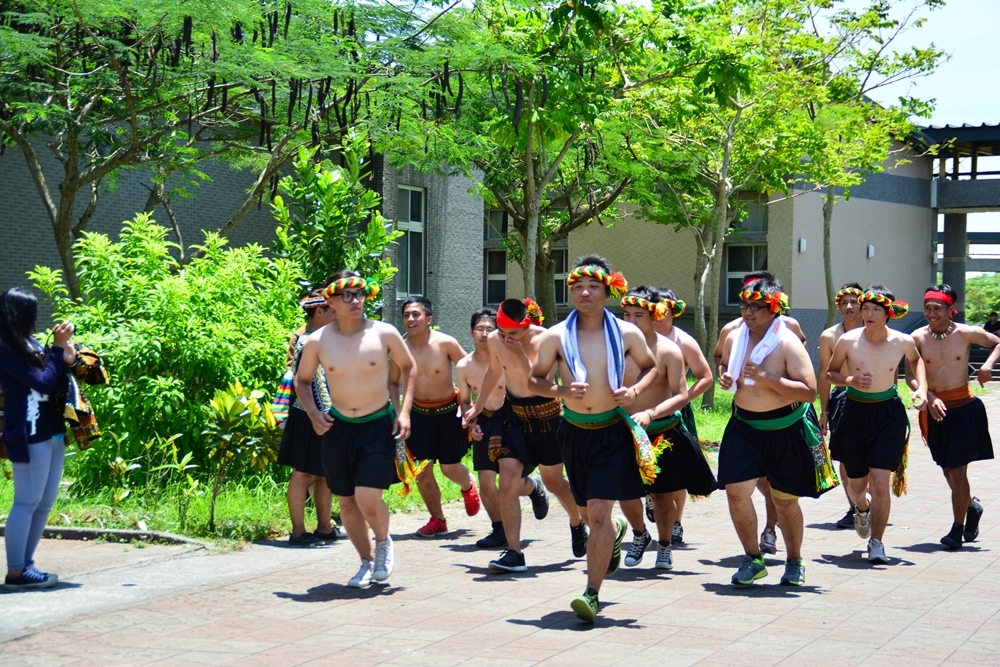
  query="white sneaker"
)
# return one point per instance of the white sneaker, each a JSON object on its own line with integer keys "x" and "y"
{"x": 863, "y": 522}
{"x": 383, "y": 559}
{"x": 876, "y": 552}
{"x": 664, "y": 561}
{"x": 363, "y": 579}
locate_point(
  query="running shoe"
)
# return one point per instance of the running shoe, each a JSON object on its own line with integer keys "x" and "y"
{"x": 795, "y": 573}
{"x": 303, "y": 540}
{"x": 509, "y": 561}
{"x": 539, "y": 498}
{"x": 769, "y": 541}
{"x": 848, "y": 519}
{"x": 649, "y": 509}
{"x": 677, "y": 536}
{"x": 972, "y": 517}
{"x": 638, "y": 549}
{"x": 336, "y": 533}
{"x": 471, "y": 498}
{"x": 363, "y": 579}
{"x": 664, "y": 559}
{"x": 495, "y": 540}
{"x": 586, "y": 606}
{"x": 384, "y": 560}
{"x": 433, "y": 527}
{"x": 621, "y": 525}
{"x": 953, "y": 540}
{"x": 876, "y": 552}
{"x": 31, "y": 566}
{"x": 863, "y": 522}
{"x": 750, "y": 570}
{"x": 30, "y": 578}
{"x": 579, "y": 535}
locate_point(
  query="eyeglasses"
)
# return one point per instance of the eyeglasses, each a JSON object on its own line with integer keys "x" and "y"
{"x": 484, "y": 329}
{"x": 348, "y": 297}
{"x": 752, "y": 308}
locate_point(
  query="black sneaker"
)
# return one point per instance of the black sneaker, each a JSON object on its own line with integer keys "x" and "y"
{"x": 677, "y": 535}
{"x": 306, "y": 539}
{"x": 336, "y": 533}
{"x": 972, "y": 517}
{"x": 621, "y": 525}
{"x": 638, "y": 549}
{"x": 649, "y": 509}
{"x": 953, "y": 540}
{"x": 539, "y": 499}
{"x": 495, "y": 540}
{"x": 509, "y": 561}
{"x": 28, "y": 579}
{"x": 579, "y": 535}
{"x": 848, "y": 519}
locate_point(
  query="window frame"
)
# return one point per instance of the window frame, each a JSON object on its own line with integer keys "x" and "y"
{"x": 729, "y": 275}
{"x": 494, "y": 277}
{"x": 403, "y": 286}
{"x": 560, "y": 278}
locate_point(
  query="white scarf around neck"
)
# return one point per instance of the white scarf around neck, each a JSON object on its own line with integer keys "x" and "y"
{"x": 738, "y": 352}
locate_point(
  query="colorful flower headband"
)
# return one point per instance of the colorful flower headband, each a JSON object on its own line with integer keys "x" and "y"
{"x": 777, "y": 302}
{"x": 534, "y": 311}
{"x": 657, "y": 309}
{"x": 896, "y": 309}
{"x": 534, "y": 316}
{"x": 614, "y": 281}
{"x": 311, "y": 302}
{"x": 369, "y": 286}
{"x": 849, "y": 290}
{"x": 934, "y": 295}
{"x": 675, "y": 305}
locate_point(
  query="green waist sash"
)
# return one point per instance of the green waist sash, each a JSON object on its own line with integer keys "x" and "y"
{"x": 661, "y": 425}
{"x": 386, "y": 411}
{"x": 826, "y": 477}
{"x": 871, "y": 396}
{"x": 645, "y": 453}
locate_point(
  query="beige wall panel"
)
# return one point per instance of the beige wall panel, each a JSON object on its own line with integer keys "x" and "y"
{"x": 780, "y": 232}
{"x": 918, "y": 167}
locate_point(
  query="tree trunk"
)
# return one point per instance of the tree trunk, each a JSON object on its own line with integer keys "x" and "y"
{"x": 530, "y": 245}
{"x": 700, "y": 331}
{"x": 831, "y": 292}
{"x": 715, "y": 277}
{"x": 545, "y": 287}
{"x": 62, "y": 230}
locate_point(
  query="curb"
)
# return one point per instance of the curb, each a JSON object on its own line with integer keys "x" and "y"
{"x": 87, "y": 534}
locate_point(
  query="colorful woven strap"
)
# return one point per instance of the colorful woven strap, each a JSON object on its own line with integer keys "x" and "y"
{"x": 312, "y": 302}
{"x": 896, "y": 309}
{"x": 614, "y": 281}
{"x": 777, "y": 302}
{"x": 826, "y": 476}
{"x": 646, "y": 453}
{"x": 369, "y": 286}
{"x": 848, "y": 291}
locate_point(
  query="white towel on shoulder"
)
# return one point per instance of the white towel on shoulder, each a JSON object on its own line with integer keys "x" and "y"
{"x": 738, "y": 352}
{"x": 612, "y": 342}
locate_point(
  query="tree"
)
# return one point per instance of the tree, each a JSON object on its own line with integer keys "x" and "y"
{"x": 115, "y": 85}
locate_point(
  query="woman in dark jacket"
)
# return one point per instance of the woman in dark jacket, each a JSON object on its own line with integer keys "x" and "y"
{"x": 34, "y": 431}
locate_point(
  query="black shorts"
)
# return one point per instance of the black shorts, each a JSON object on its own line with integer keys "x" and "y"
{"x": 835, "y": 407}
{"x": 438, "y": 436}
{"x": 870, "y": 435}
{"x": 687, "y": 415}
{"x": 600, "y": 463}
{"x": 962, "y": 437}
{"x": 782, "y": 456}
{"x": 481, "y": 449}
{"x": 301, "y": 447}
{"x": 360, "y": 454}
{"x": 532, "y": 441}
{"x": 683, "y": 465}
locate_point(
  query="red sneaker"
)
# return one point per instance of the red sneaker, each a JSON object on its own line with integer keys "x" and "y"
{"x": 433, "y": 527}
{"x": 471, "y": 498}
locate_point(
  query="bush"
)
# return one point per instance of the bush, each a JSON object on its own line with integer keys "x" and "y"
{"x": 170, "y": 336}
{"x": 982, "y": 296}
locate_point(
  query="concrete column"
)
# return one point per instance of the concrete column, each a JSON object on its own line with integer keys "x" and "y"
{"x": 955, "y": 252}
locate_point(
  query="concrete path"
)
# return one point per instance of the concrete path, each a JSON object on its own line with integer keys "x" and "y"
{"x": 272, "y": 605}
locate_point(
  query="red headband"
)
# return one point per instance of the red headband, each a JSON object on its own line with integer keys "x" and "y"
{"x": 505, "y": 322}
{"x": 747, "y": 281}
{"x": 946, "y": 299}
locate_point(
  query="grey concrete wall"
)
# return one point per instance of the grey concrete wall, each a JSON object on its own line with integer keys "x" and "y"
{"x": 454, "y": 248}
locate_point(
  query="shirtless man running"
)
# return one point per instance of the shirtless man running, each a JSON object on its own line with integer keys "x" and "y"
{"x": 526, "y": 434}
{"x": 773, "y": 431}
{"x": 957, "y": 432}
{"x": 359, "y": 448}
{"x": 598, "y": 436}
{"x": 469, "y": 373}
{"x": 831, "y": 403}
{"x": 694, "y": 361}
{"x": 871, "y": 434}
{"x": 436, "y": 426}
{"x": 683, "y": 467}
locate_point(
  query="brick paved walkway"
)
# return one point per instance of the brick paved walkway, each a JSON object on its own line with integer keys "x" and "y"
{"x": 268, "y": 605}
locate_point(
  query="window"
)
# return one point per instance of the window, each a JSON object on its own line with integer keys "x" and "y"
{"x": 741, "y": 260}
{"x": 756, "y": 218}
{"x": 410, "y": 255}
{"x": 496, "y": 225}
{"x": 561, "y": 258}
{"x": 496, "y": 276}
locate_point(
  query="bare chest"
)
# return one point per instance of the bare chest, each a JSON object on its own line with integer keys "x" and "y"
{"x": 353, "y": 358}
